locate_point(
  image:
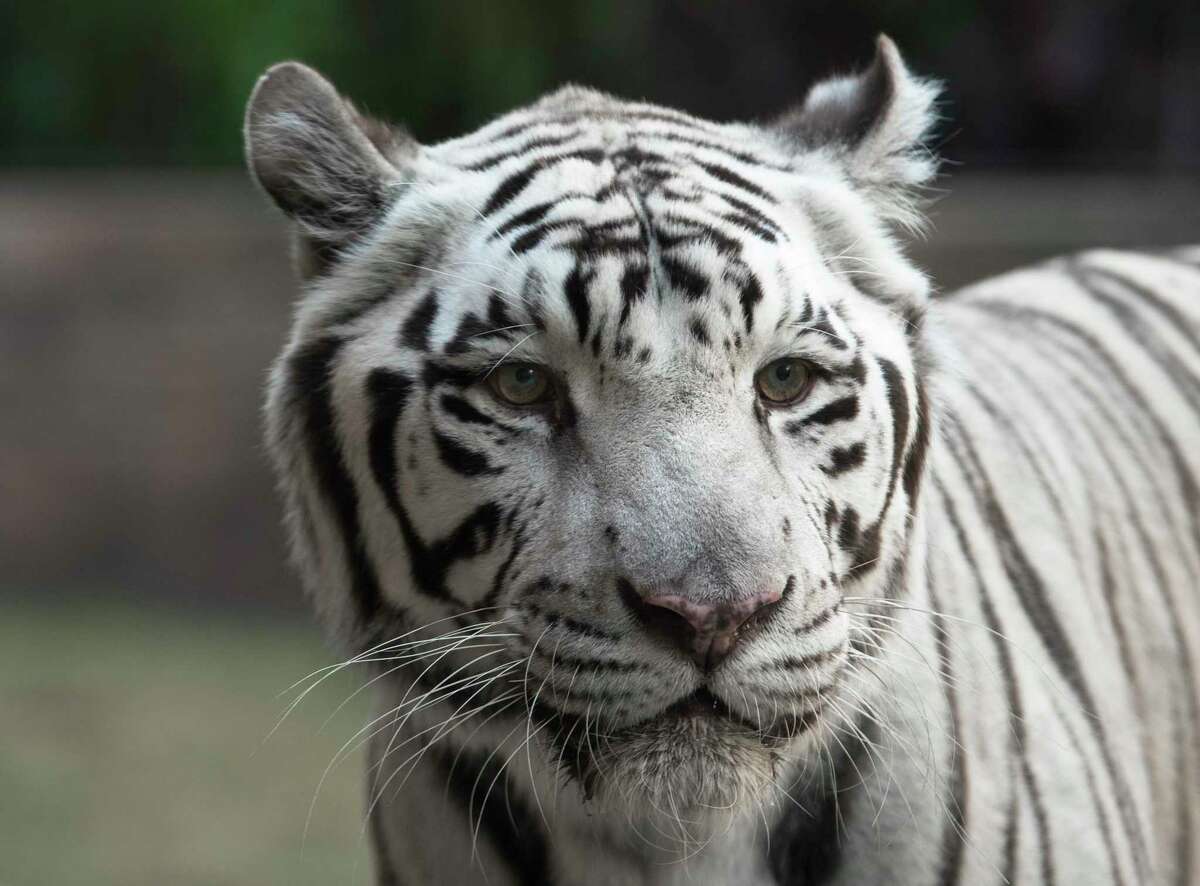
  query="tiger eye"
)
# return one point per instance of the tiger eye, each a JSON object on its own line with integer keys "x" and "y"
{"x": 520, "y": 384}
{"x": 783, "y": 381}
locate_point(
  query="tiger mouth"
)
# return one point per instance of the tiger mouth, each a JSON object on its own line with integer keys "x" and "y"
{"x": 705, "y": 706}
{"x": 701, "y": 704}
{"x": 700, "y": 726}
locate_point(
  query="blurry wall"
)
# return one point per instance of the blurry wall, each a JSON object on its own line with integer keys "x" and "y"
{"x": 144, "y": 285}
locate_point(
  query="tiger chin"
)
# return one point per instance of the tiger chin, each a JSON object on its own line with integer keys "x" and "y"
{"x": 685, "y": 536}
{"x": 693, "y": 759}
{"x": 685, "y": 777}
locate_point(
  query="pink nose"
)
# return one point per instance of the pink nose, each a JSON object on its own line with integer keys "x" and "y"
{"x": 706, "y": 630}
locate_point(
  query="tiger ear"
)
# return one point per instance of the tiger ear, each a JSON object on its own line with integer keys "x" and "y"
{"x": 331, "y": 169}
{"x": 874, "y": 124}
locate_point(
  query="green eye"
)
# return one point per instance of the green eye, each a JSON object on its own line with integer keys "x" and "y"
{"x": 520, "y": 384}
{"x": 783, "y": 381}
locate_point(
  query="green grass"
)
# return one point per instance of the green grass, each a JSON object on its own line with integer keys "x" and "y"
{"x": 131, "y": 751}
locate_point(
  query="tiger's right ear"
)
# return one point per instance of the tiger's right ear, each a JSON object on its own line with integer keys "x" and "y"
{"x": 330, "y": 168}
{"x": 874, "y": 125}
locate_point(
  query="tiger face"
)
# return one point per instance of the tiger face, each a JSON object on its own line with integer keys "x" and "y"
{"x": 639, "y": 388}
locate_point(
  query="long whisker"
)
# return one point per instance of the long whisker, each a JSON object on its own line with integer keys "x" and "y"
{"x": 387, "y": 645}
{"x": 418, "y": 703}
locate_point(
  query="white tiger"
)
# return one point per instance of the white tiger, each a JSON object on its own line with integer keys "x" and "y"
{"x": 689, "y": 540}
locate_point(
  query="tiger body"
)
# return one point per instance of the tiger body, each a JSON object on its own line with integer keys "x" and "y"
{"x": 931, "y": 620}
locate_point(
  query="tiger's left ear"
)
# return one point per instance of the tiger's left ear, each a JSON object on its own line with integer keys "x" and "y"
{"x": 874, "y": 125}
{"x": 331, "y": 169}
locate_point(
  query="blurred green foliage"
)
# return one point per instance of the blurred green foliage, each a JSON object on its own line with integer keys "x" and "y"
{"x": 137, "y": 82}
{"x": 129, "y": 81}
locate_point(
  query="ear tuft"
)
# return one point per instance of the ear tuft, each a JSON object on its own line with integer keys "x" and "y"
{"x": 876, "y": 124}
{"x": 327, "y": 166}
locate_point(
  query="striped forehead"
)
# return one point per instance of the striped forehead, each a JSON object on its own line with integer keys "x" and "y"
{"x": 585, "y": 187}
{"x": 605, "y": 228}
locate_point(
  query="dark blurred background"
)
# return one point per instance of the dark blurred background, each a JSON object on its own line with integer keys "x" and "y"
{"x": 146, "y": 613}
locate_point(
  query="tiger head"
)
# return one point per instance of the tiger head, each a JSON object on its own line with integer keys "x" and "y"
{"x": 636, "y": 394}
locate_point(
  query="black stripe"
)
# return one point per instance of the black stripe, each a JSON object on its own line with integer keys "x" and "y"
{"x": 850, "y": 533}
{"x": 1031, "y": 592}
{"x": 653, "y": 166}
{"x": 822, "y": 325}
{"x": 498, "y": 314}
{"x": 650, "y": 114}
{"x": 514, "y": 184}
{"x": 472, "y": 330}
{"x": 1087, "y": 275}
{"x": 897, "y": 395}
{"x": 534, "y": 144}
{"x": 1022, "y": 577}
{"x": 1108, "y": 587}
{"x": 526, "y": 125}
{"x": 733, "y": 154}
{"x": 461, "y": 459}
{"x": 845, "y": 458}
{"x": 1114, "y": 418}
{"x": 531, "y": 216}
{"x": 388, "y": 392}
{"x": 559, "y": 659}
{"x": 1185, "y": 794}
{"x": 1012, "y": 831}
{"x": 684, "y": 278}
{"x": 533, "y": 238}
{"x": 1113, "y": 414}
{"x": 575, "y": 626}
{"x": 749, "y": 297}
{"x": 1017, "y": 431}
{"x": 1016, "y": 712}
{"x": 588, "y": 245}
{"x": 914, "y": 461}
{"x": 729, "y": 177}
{"x": 415, "y": 331}
{"x": 1093, "y": 791}
{"x": 839, "y": 410}
{"x": 310, "y": 377}
{"x": 634, "y": 281}
{"x": 749, "y": 225}
{"x": 505, "y": 817}
{"x": 1135, "y": 325}
{"x": 465, "y": 412}
{"x": 954, "y": 834}
{"x": 1107, "y": 583}
{"x": 1115, "y": 372}
{"x": 819, "y": 621}
{"x": 752, "y": 215}
{"x": 1188, "y": 490}
{"x": 1147, "y": 542}
{"x": 695, "y": 233}
{"x": 510, "y": 188}
{"x": 576, "y": 290}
